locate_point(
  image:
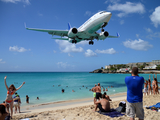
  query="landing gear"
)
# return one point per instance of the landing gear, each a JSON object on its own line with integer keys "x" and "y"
{"x": 74, "y": 41}
{"x": 91, "y": 42}
{"x": 104, "y": 24}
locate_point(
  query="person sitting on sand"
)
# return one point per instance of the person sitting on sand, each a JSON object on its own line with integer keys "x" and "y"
{"x": 103, "y": 104}
{"x": 145, "y": 91}
{"x": 10, "y": 91}
{"x": 3, "y": 114}
{"x": 149, "y": 86}
{"x": 107, "y": 97}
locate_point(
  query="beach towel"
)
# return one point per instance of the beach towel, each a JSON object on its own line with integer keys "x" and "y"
{"x": 155, "y": 106}
{"x": 113, "y": 113}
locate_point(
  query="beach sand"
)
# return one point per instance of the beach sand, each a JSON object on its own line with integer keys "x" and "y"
{"x": 83, "y": 110}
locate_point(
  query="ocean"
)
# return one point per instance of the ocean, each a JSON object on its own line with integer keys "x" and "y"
{"x": 48, "y": 85}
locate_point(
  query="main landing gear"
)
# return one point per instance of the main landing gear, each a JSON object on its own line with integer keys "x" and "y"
{"x": 74, "y": 41}
{"x": 91, "y": 42}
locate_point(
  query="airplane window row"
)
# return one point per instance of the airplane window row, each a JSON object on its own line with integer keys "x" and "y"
{"x": 102, "y": 12}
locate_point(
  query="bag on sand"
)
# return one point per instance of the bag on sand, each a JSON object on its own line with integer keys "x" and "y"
{"x": 122, "y": 107}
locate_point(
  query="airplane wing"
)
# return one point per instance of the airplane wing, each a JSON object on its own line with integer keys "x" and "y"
{"x": 110, "y": 36}
{"x": 52, "y": 32}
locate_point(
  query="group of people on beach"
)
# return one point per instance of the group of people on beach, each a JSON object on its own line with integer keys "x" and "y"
{"x": 101, "y": 101}
{"x": 10, "y": 101}
{"x": 148, "y": 90}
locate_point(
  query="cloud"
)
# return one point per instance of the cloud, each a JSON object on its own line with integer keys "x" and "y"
{"x": 18, "y": 49}
{"x": 107, "y": 51}
{"x": 154, "y": 35}
{"x": 89, "y": 13}
{"x": 112, "y": 1}
{"x": 70, "y": 55}
{"x": 15, "y": 1}
{"x": 90, "y": 53}
{"x": 127, "y": 8}
{"x": 54, "y": 51}
{"x": 64, "y": 65}
{"x": 148, "y": 30}
{"x": 137, "y": 44}
{"x": 122, "y": 22}
{"x": 2, "y": 62}
{"x": 68, "y": 47}
{"x": 155, "y": 17}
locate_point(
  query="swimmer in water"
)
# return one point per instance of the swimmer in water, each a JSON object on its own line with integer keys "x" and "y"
{"x": 10, "y": 91}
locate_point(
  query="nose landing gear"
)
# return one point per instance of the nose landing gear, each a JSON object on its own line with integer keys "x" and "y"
{"x": 91, "y": 42}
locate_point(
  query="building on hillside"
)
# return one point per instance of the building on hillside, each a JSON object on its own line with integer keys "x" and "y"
{"x": 107, "y": 67}
{"x": 152, "y": 67}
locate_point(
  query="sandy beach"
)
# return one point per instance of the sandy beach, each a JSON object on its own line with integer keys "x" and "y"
{"x": 83, "y": 110}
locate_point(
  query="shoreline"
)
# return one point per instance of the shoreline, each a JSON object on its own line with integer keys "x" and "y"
{"x": 65, "y": 104}
{"x": 84, "y": 110}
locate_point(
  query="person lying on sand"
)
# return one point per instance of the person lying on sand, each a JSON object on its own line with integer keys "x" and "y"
{"x": 103, "y": 104}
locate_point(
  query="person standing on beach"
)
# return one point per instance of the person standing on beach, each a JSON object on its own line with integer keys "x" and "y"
{"x": 94, "y": 93}
{"x": 10, "y": 91}
{"x": 134, "y": 95}
{"x": 27, "y": 99}
{"x": 155, "y": 83}
{"x": 17, "y": 102}
{"x": 149, "y": 86}
{"x": 145, "y": 91}
{"x": 98, "y": 92}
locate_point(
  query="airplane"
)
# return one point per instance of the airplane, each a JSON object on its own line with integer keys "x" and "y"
{"x": 86, "y": 31}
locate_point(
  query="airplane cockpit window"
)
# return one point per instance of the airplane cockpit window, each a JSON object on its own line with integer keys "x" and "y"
{"x": 102, "y": 12}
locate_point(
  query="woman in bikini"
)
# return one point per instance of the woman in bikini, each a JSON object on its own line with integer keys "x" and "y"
{"x": 156, "y": 84}
{"x": 10, "y": 91}
{"x": 149, "y": 86}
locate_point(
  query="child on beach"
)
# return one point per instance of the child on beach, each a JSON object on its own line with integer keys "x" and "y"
{"x": 10, "y": 91}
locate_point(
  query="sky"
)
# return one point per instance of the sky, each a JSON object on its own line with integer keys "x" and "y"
{"x": 21, "y": 50}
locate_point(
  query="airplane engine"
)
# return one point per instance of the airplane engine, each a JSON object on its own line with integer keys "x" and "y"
{"x": 72, "y": 32}
{"x": 103, "y": 35}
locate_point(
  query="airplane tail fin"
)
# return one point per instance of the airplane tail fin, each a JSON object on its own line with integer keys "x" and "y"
{"x": 69, "y": 26}
{"x": 118, "y": 35}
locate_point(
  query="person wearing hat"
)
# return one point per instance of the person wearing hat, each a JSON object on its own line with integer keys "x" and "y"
{"x": 17, "y": 102}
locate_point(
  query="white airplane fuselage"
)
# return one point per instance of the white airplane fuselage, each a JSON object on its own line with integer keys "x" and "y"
{"x": 86, "y": 31}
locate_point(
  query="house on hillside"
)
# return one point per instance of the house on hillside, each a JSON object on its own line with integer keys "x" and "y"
{"x": 151, "y": 67}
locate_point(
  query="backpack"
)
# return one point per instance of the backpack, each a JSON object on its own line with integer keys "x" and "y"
{"x": 122, "y": 107}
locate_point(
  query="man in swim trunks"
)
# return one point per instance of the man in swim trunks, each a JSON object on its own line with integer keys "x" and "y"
{"x": 103, "y": 104}
{"x": 98, "y": 91}
{"x": 94, "y": 92}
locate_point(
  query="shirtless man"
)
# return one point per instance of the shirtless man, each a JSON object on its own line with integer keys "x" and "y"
{"x": 107, "y": 97}
{"x": 145, "y": 87}
{"x": 98, "y": 91}
{"x": 103, "y": 104}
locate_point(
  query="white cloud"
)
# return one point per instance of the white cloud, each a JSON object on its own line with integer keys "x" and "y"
{"x": 148, "y": 30}
{"x": 154, "y": 35}
{"x": 70, "y": 55}
{"x": 18, "y": 49}
{"x": 107, "y": 51}
{"x": 54, "y": 51}
{"x": 15, "y": 1}
{"x": 137, "y": 44}
{"x": 64, "y": 65}
{"x": 112, "y": 1}
{"x": 127, "y": 8}
{"x": 122, "y": 22}
{"x": 1, "y": 61}
{"x": 137, "y": 35}
{"x": 155, "y": 17}
{"x": 90, "y": 53}
{"x": 89, "y": 13}
{"x": 68, "y": 47}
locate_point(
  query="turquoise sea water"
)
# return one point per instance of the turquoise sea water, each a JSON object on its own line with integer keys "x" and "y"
{"x": 40, "y": 84}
